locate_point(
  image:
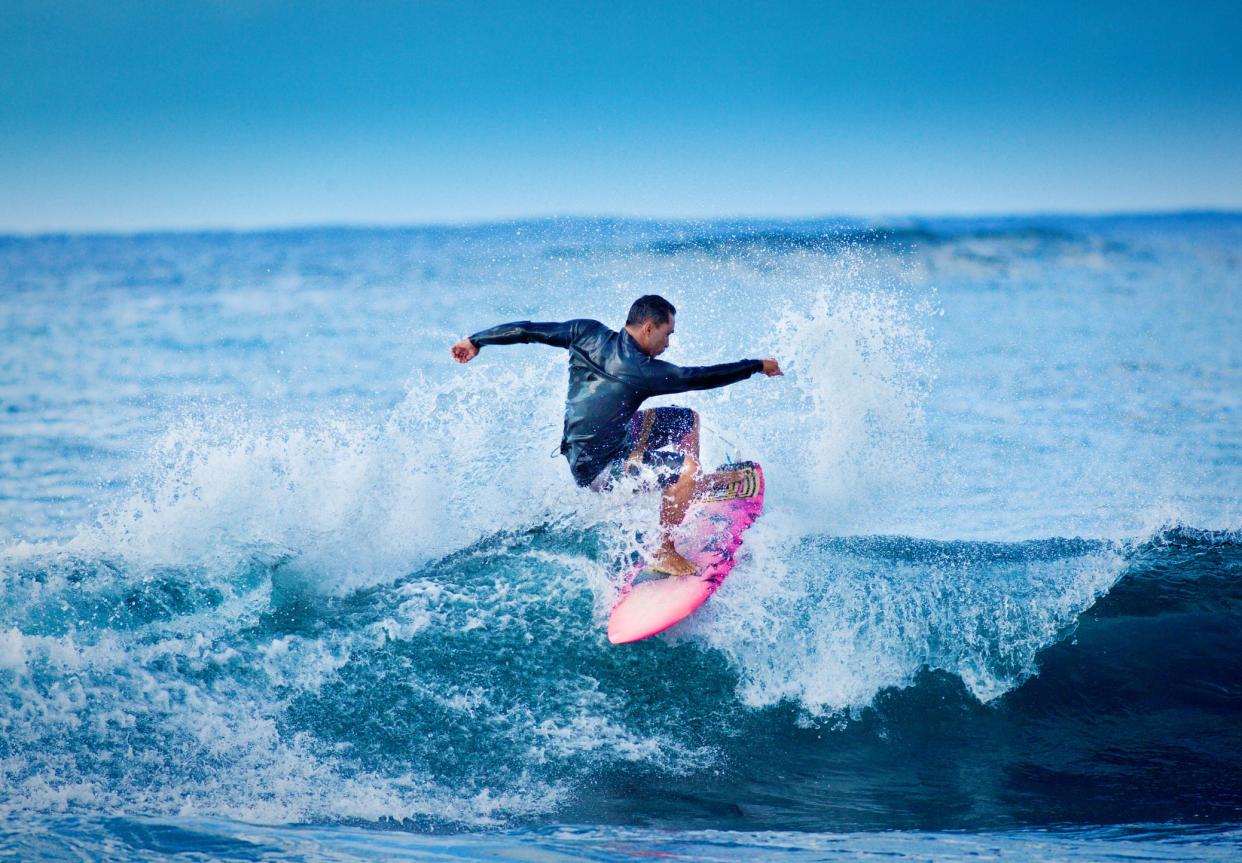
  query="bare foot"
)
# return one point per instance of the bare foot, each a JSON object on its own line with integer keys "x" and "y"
{"x": 669, "y": 562}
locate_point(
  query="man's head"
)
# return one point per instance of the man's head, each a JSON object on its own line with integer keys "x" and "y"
{"x": 650, "y": 322}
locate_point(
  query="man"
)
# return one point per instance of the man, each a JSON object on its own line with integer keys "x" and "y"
{"x": 610, "y": 375}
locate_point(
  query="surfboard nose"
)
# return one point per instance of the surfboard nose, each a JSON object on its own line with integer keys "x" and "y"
{"x": 654, "y": 606}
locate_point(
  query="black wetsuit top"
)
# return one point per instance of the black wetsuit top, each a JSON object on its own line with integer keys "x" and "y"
{"x": 609, "y": 377}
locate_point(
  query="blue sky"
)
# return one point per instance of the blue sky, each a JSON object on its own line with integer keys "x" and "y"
{"x": 244, "y": 113}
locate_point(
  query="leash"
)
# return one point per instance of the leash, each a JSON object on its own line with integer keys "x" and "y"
{"x": 725, "y": 440}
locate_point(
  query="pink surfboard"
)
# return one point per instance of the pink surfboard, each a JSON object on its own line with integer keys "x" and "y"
{"x": 649, "y": 603}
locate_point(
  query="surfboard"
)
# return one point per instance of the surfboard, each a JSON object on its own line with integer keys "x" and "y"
{"x": 649, "y": 603}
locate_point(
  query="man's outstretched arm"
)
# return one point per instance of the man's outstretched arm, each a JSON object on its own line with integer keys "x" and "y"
{"x": 560, "y": 335}
{"x": 663, "y": 378}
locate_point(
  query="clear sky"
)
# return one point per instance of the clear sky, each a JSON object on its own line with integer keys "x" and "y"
{"x": 120, "y": 115}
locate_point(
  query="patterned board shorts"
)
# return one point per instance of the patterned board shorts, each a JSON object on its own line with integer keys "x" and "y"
{"x": 651, "y": 434}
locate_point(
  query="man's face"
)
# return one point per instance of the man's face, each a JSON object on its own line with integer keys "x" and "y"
{"x": 658, "y": 342}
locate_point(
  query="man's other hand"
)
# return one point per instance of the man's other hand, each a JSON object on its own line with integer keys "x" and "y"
{"x": 771, "y": 368}
{"x": 466, "y": 350}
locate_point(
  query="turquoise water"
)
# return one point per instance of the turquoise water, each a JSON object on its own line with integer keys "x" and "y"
{"x": 282, "y": 581}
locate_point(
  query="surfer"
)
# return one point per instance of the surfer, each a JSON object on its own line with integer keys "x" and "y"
{"x": 610, "y": 374}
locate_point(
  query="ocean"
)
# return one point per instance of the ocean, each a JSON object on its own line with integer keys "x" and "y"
{"x": 281, "y": 581}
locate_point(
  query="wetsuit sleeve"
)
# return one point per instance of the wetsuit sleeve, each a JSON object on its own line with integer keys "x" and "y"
{"x": 559, "y": 335}
{"x": 662, "y": 378}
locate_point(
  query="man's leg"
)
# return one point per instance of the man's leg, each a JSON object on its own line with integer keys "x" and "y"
{"x": 676, "y": 500}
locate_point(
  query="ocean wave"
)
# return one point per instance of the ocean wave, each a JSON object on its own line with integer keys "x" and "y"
{"x": 1058, "y": 675}
{"x": 729, "y": 240}
{"x": 284, "y": 605}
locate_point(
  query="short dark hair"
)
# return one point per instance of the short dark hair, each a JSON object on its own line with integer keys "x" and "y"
{"x": 650, "y": 307}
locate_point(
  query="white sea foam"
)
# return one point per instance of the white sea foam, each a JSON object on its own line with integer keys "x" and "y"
{"x": 828, "y": 625}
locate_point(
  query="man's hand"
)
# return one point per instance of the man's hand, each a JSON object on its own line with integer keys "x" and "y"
{"x": 771, "y": 368}
{"x": 464, "y": 351}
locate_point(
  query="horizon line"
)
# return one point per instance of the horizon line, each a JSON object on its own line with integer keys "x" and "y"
{"x": 877, "y": 221}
